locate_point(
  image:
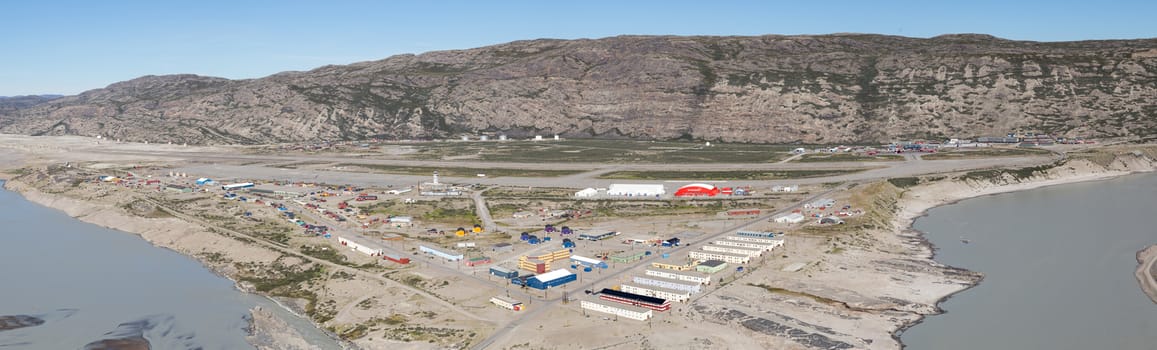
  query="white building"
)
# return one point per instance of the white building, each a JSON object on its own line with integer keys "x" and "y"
{"x": 586, "y": 192}
{"x": 628, "y": 311}
{"x": 793, "y": 218}
{"x": 755, "y": 239}
{"x": 360, "y": 248}
{"x": 782, "y": 188}
{"x": 726, "y": 257}
{"x": 752, "y": 245}
{"x": 657, "y": 292}
{"x": 441, "y": 253}
{"x": 507, "y": 303}
{"x": 681, "y": 276}
{"x": 667, "y": 283}
{"x": 733, "y": 250}
{"x": 636, "y": 190}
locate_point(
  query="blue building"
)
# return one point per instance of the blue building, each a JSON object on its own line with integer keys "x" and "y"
{"x": 503, "y": 272}
{"x": 551, "y": 279}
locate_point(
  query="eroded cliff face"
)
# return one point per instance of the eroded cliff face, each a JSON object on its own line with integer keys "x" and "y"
{"x": 774, "y": 89}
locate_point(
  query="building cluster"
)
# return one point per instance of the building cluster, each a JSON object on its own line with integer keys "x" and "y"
{"x": 665, "y": 283}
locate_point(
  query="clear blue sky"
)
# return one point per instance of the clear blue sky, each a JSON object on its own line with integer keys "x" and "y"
{"x": 70, "y": 46}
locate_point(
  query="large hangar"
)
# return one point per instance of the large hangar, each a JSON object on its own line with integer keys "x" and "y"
{"x": 697, "y": 190}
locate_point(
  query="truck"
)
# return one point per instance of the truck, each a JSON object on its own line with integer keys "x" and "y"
{"x": 367, "y": 198}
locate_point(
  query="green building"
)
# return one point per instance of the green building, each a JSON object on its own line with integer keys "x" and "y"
{"x": 626, "y": 257}
{"x": 711, "y": 266}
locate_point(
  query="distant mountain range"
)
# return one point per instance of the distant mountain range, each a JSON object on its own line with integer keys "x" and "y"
{"x": 771, "y": 89}
{"x": 8, "y": 103}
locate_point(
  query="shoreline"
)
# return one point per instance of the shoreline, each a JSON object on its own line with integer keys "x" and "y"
{"x": 914, "y": 207}
{"x": 82, "y": 210}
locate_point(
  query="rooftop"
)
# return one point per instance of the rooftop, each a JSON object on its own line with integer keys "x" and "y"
{"x": 713, "y": 263}
{"x": 553, "y": 275}
{"x": 633, "y": 296}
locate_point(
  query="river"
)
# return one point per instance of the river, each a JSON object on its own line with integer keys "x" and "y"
{"x": 91, "y": 283}
{"x": 1058, "y": 265}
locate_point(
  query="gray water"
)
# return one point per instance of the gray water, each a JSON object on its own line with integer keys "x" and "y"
{"x": 1058, "y": 265}
{"x": 91, "y": 283}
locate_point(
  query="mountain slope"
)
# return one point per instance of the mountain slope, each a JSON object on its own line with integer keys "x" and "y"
{"x": 823, "y": 89}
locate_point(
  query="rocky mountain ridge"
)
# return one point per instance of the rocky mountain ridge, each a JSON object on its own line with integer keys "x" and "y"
{"x": 837, "y": 88}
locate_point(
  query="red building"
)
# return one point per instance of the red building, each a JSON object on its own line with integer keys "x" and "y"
{"x": 697, "y": 190}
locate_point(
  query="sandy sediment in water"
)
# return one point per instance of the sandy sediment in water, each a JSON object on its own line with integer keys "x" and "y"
{"x": 268, "y": 332}
{"x": 1147, "y": 271}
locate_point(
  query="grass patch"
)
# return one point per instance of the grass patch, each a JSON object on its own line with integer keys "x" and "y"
{"x": 324, "y": 253}
{"x": 996, "y": 175}
{"x": 904, "y": 182}
{"x": 601, "y": 151}
{"x": 991, "y": 152}
{"x": 461, "y": 172}
{"x": 728, "y": 175}
{"x": 817, "y": 298}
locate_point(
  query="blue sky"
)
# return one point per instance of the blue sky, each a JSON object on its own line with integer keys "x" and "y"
{"x": 70, "y": 46}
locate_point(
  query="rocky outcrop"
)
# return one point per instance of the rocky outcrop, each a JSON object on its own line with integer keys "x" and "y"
{"x": 775, "y": 89}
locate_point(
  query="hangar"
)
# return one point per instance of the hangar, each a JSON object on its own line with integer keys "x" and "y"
{"x": 697, "y": 190}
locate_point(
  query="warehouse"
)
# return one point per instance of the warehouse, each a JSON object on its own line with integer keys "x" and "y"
{"x": 674, "y": 295}
{"x": 733, "y": 250}
{"x": 653, "y": 303}
{"x": 502, "y": 247}
{"x": 682, "y": 276}
{"x": 588, "y": 262}
{"x": 551, "y": 279}
{"x": 697, "y": 190}
{"x": 441, "y": 253}
{"x": 507, "y": 303}
{"x": 636, "y": 190}
{"x": 711, "y": 266}
{"x": 755, "y": 240}
{"x": 755, "y": 234}
{"x": 237, "y": 186}
{"x": 631, "y": 312}
{"x": 793, "y": 218}
{"x": 667, "y": 283}
{"x": 726, "y": 257}
{"x": 361, "y": 248}
{"x": 626, "y": 257}
{"x": 752, "y": 245}
{"x": 503, "y": 272}
{"x": 597, "y": 237}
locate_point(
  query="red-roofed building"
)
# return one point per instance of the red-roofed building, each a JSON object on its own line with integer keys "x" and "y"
{"x": 697, "y": 190}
